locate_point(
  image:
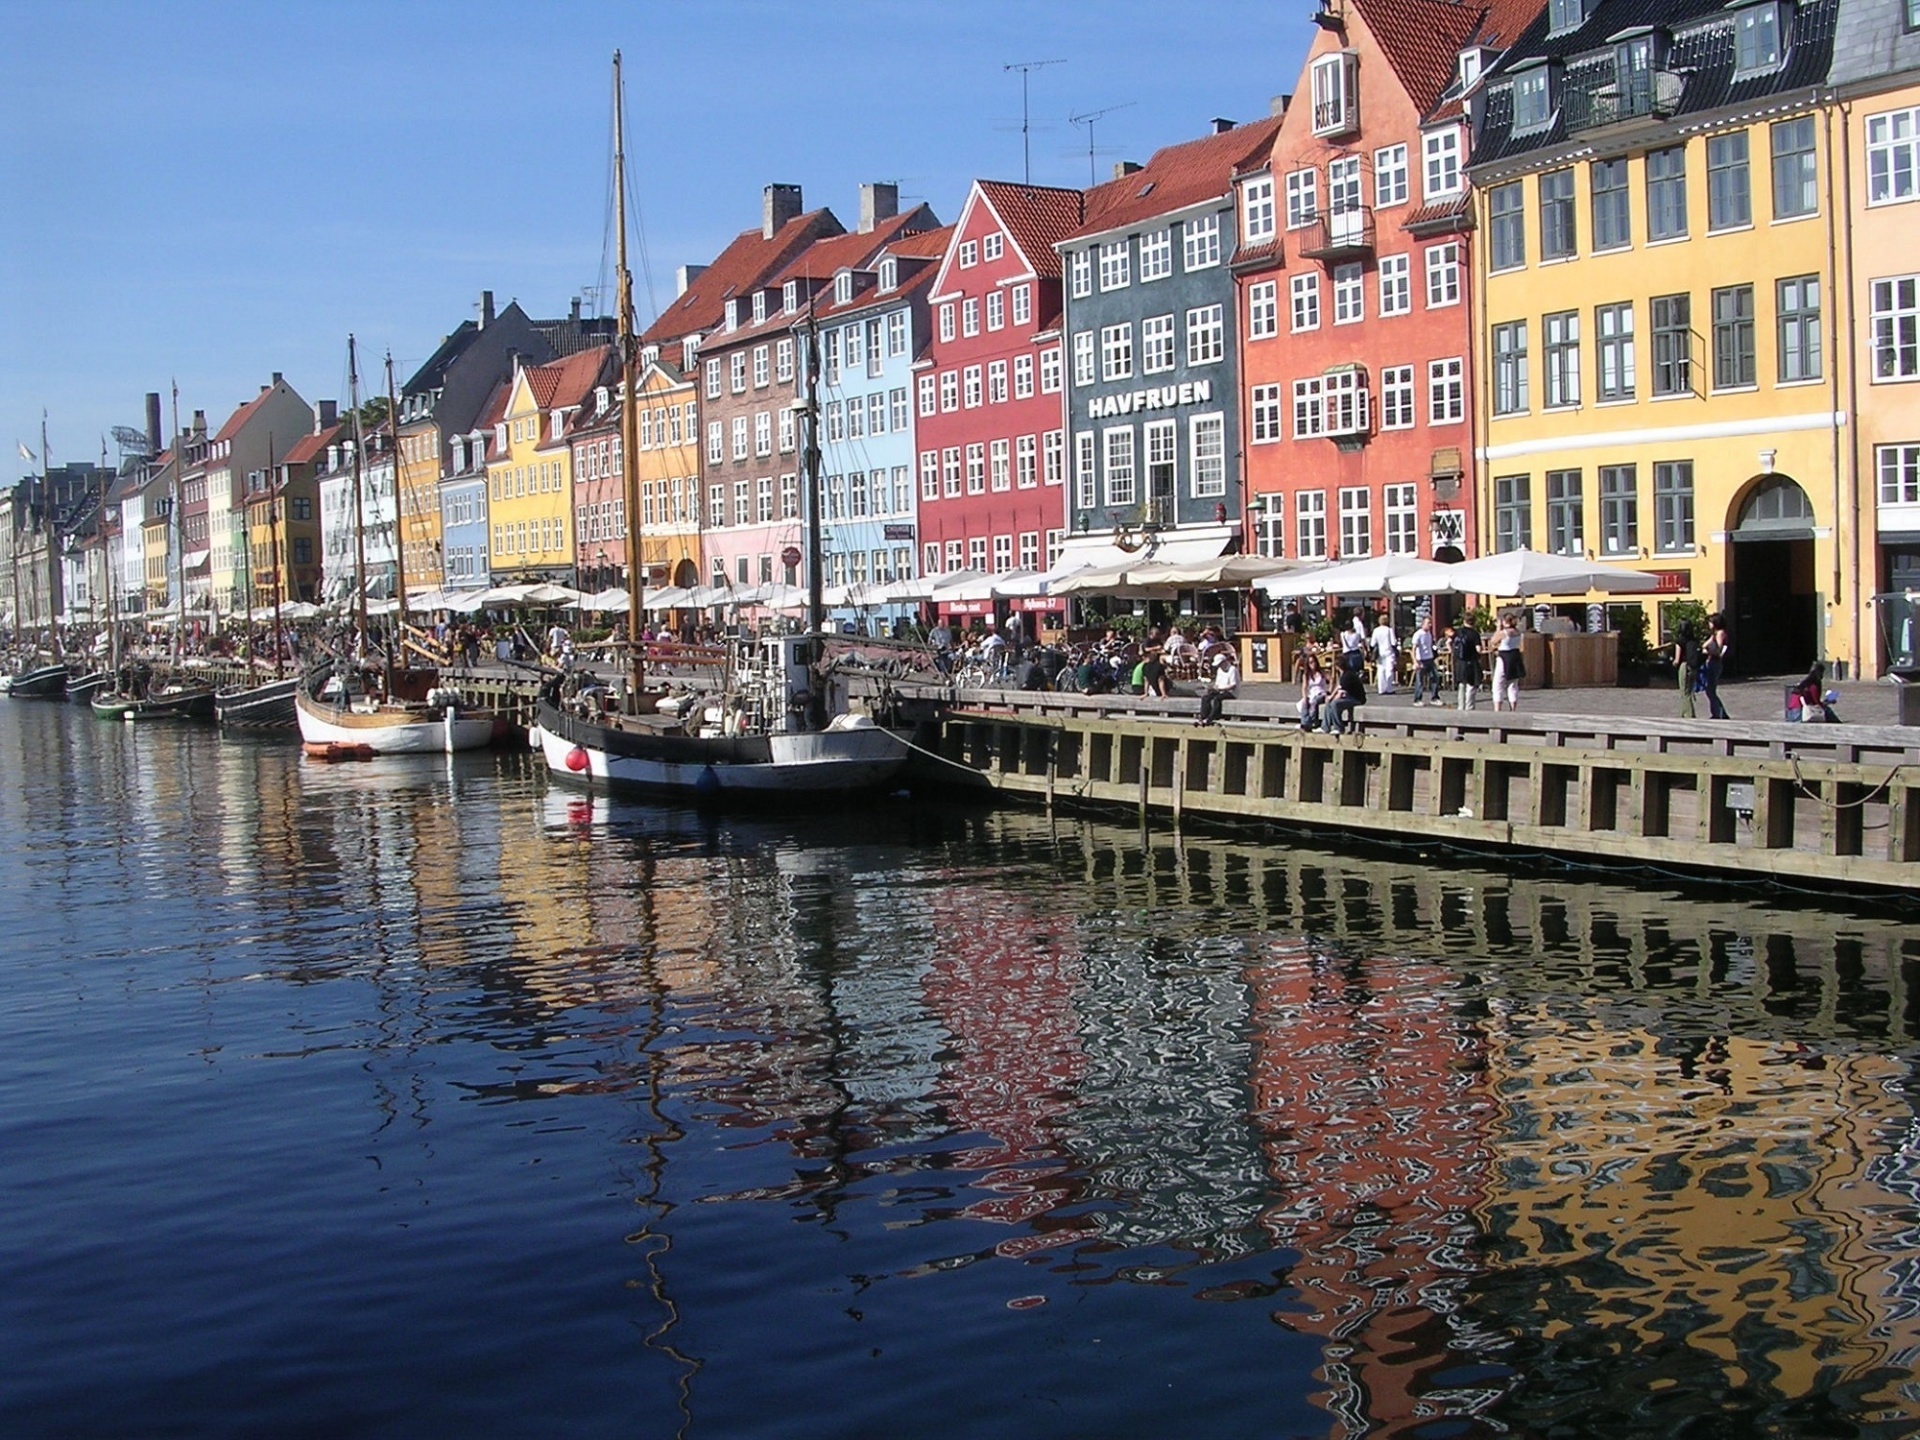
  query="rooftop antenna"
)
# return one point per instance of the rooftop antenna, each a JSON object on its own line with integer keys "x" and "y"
{"x": 1026, "y": 68}
{"x": 1087, "y": 118}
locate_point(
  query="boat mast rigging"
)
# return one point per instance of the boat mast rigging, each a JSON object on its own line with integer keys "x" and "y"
{"x": 359, "y": 516}
{"x": 399, "y": 507}
{"x": 629, "y": 401}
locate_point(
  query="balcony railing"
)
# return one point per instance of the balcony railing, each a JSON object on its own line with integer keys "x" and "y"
{"x": 1648, "y": 95}
{"x": 1345, "y": 235}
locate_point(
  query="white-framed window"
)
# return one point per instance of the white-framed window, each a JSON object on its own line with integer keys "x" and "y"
{"x": 1270, "y": 526}
{"x": 1122, "y": 487}
{"x": 1336, "y": 101}
{"x": 787, "y": 429}
{"x": 929, "y": 402}
{"x": 1304, "y": 291}
{"x": 716, "y": 442}
{"x": 1347, "y": 400}
{"x": 897, "y": 408}
{"x": 946, "y": 323}
{"x": 1162, "y": 446}
{"x": 977, "y": 552}
{"x": 1029, "y": 549}
{"x": 970, "y": 316}
{"x": 854, "y": 342}
{"x": 1343, "y": 191}
{"x": 1390, "y": 176}
{"x": 993, "y": 246}
{"x": 969, "y": 254}
{"x": 929, "y": 474}
{"x": 1002, "y": 554}
{"x": 1080, "y": 274}
{"x": 1309, "y": 408}
{"x": 1084, "y": 470}
{"x": 1053, "y": 457}
{"x": 1026, "y": 462}
{"x": 1083, "y": 371}
{"x": 742, "y": 503}
{"x": 713, "y": 378}
{"x": 1206, "y": 334}
{"x": 976, "y": 469}
{"x": 1898, "y": 467}
{"x": 1050, "y": 370}
{"x": 1116, "y": 352}
{"x": 1303, "y": 198}
{"x": 1446, "y": 391}
{"x": 950, "y": 472}
{"x": 930, "y": 558}
{"x": 1756, "y": 39}
{"x": 1000, "y": 462}
{"x": 763, "y": 499}
{"x": 1349, "y": 294}
{"x": 1896, "y": 327}
{"x": 1356, "y": 522}
{"x": 1156, "y": 344}
{"x": 949, "y": 391}
{"x": 762, "y": 365}
{"x": 970, "y": 387}
{"x": 1156, "y": 255}
{"x": 997, "y": 382}
{"x": 1443, "y": 274}
{"x": 996, "y": 310}
{"x": 1023, "y": 377}
{"x": 833, "y": 417}
{"x": 1207, "y": 455}
{"x": 1396, "y": 397}
{"x": 1510, "y": 368}
{"x": 1263, "y": 408}
{"x": 783, "y": 360}
{"x": 1263, "y": 310}
{"x": 1115, "y": 265}
{"x": 1201, "y": 242}
{"x": 1257, "y": 222}
{"x": 1893, "y": 156}
{"x": 1310, "y": 524}
{"x": 956, "y": 552}
{"x": 763, "y": 432}
{"x": 1440, "y": 156}
{"x": 1403, "y": 519}
{"x": 737, "y": 372}
{"x": 1023, "y": 304}
{"x": 1396, "y": 284}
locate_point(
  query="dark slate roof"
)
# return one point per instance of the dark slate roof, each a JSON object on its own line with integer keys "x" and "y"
{"x": 1702, "y": 53}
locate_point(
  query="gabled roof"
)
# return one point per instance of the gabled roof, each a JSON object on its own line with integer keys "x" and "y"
{"x": 566, "y": 382}
{"x": 746, "y": 262}
{"x": 1036, "y": 217}
{"x": 1422, "y": 40}
{"x": 869, "y": 295}
{"x": 1177, "y": 176}
{"x": 824, "y": 259}
{"x": 926, "y": 245}
{"x": 495, "y": 410}
{"x": 237, "y": 421}
{"x": 312, "y": 446}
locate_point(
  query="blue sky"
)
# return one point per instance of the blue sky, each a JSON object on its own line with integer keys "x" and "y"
{"x": 209, "y": 192}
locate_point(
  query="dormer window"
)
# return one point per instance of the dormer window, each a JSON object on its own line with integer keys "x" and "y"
{"x": 759, "y": 306}
{"x": 733, "y": 314}
{"x": 1565, "y": 15}
{"x": 889, "y": 273}
{"x": 1336, "y": 93}
{"x": 1756, "y": 39}
{"x": 689, "y": 352}
{"x": 1532, "y": 99}
{"x": 1473, "y": 60}
{"x": 601, "y": 399}
{"x": 843, "y": 288}
{"x": 790, "y": 296}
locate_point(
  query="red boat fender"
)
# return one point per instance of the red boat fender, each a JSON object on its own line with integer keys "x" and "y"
{"x": 577, "y": 759}
{"x": 331, "y": 750}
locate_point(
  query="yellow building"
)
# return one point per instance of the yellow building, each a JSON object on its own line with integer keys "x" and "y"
{"x": 1657, "y": 384}
{"x": 418, "y": 484}
{"x": 530, "y": 477}
{"x": 669, "y": 469}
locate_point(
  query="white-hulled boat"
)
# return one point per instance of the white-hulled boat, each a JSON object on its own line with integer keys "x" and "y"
{"x": 439, "y": 722}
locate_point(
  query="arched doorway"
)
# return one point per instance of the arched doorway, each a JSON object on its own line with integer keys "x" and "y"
{"x": 1774, "y": 604}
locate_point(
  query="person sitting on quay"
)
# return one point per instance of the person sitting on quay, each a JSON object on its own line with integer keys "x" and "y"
{"x": 1225, "y": 680}
{"x": 1349, "y": 696}
{"x": 1313, "y": 688}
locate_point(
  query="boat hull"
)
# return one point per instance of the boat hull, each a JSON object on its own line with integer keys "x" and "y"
{"x": 390, "y": 730}
{"x": 43, "y": 682}
{"x": 263, "y": 709}
{"x": 743, "y": 768}
{"x": 189, "y": 704}
{"x": 82, "y": 689}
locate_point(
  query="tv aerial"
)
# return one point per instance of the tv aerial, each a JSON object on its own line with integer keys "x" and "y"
{"x": 1026, "y": 68}
{"x": 130, "y": 440}
{"x": 1087, "y": 118}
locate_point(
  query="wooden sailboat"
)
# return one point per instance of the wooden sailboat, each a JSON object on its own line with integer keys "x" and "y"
{"x": 266, "y": 708}
{"x": 35, "y": 680}
{"x": 783, "y": 729}
{"x": 391, "y": 709}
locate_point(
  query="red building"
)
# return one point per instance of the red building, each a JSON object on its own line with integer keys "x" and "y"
{"x": 1354, "y": 276}
{"x": 987, "y": 401}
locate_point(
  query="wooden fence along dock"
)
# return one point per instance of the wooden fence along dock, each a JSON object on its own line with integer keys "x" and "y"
{"x": 1833, "y": 805}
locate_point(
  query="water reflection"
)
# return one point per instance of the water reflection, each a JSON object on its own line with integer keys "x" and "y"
{"x": 927, "y": 1106}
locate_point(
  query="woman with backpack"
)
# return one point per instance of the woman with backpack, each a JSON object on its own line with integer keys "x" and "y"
{"x": 1686, "y": 660}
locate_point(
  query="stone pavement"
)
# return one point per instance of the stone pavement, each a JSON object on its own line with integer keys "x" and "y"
{"x": 1862, "y": 702}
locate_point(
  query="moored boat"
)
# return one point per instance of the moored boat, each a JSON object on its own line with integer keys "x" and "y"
{"x": 266, "y": 708}
{"x": 439, "y": 721}
{"x": 81, "y": 689}
{"x": 168, "y": 702}
{"x": 40, "y": 682}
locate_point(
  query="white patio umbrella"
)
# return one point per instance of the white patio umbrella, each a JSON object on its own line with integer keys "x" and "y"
{"x": 775, "y": 596}
{"x": 670, "y": 597}
{"x": 604, "y": 601}
{"x": 1371, "y": 576}
{"x": 1222, "y": 572}
{"x": 1518, "y": 573}
{"x": 553, "y": 595}
{"x": 906, "y": 591}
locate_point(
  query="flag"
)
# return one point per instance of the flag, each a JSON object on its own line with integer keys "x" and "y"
{"x": 25, "y": 453}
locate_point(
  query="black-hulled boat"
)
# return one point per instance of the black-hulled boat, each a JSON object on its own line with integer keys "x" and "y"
{"x": 40, "y": 682}
{"x": 265, "y": 709}
{"x": 82, "y": 688}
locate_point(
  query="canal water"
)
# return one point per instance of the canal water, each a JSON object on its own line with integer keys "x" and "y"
{"x": 420, "y": 1097}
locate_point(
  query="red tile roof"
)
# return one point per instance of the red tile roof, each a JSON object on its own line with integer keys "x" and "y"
{"x": 746, "y": 263}
{"x": 495, "y": 410}
{"x": 1422, "y": 39}
{"x": 566, "y": 382}
{"x": 309, "y": 447}
{"x": 824, "y": 259}
{"x": 1036, "y": 217}
{"x": 935, "y": 244}
{"x": 927, "y": 245}
{"x": 1177, "y": 176}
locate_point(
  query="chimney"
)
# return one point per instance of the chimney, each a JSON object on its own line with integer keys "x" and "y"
{"x": 573, "y": 313}
{"x": 878, "y": 201}
{"x": 685, "y": 277}
{"x": 1124, "y": 168}
{"x": 153, "y": 422}
{"x": 278, "y": 378}
{"x": 1278, "y": 105}
{"x": 1221, "y": 124}
{"x": 778, "y": 205}
{"x": 486, "y": 308}
{"x": 199, "y": 422}
{"x": 326, "y": 415}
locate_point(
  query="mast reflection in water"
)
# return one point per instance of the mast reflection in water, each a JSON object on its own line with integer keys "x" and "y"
{"x": 372, "y": 1099}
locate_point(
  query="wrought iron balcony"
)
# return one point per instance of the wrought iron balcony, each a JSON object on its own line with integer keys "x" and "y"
{"x": 1346, "y": 235}
{"x": 1649, "y": 95}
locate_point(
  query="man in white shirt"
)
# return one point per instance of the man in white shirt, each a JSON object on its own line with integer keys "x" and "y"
{"x": 1220, "y": 687}
{"x": 1386, "y": 654}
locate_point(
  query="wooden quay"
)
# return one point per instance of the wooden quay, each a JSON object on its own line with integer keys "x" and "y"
{"x": 1831, "y": 805}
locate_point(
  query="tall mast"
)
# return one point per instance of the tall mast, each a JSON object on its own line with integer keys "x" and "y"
{"x": 273, "y": 544}
{"x": 359, "y": 515}
{"x": 810, "y": 498}
{"x": 52, "y": 529}
{"x": 399, "y": 510}
{"x": 629, "y": 401}
{"x": 179, "y": 532}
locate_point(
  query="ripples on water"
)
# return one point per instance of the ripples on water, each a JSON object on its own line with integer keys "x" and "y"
{"x": 383, "y": 1099}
